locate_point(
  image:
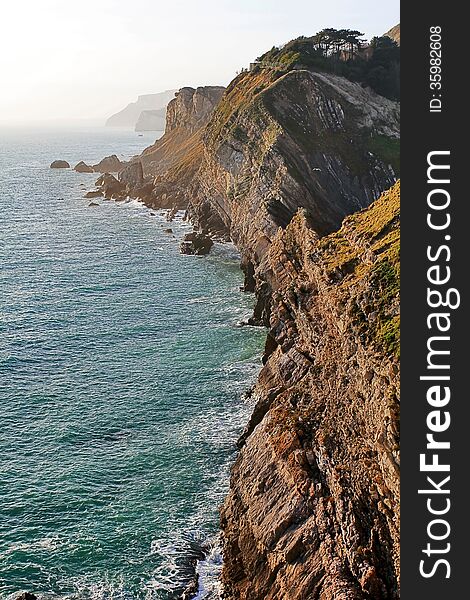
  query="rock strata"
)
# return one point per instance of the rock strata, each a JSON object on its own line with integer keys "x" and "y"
{"x": 313, "y": 505}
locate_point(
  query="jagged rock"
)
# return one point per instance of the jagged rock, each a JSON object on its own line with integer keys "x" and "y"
{"x": 192, "y": 108}
{"x": 111, "y": 187}
{"x": 196, "y": 243}
{"x": 82, "y": 167}
{"x": 109, "y": 164}
{"x": 191, "y": 589}
{"x": 169, "y": 230}
{"x": 93, "y": 194}
{"x": 132, "y": 174}
{"x": 171, "y": 214}
{"x": 93, "y": 204}
{"x": 60, "y": 164}
{"x": 26, "y": 596}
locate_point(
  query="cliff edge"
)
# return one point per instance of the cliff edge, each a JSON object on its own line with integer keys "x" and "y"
{"x": 313, "y": 508}
{"x": 290, "y": 163}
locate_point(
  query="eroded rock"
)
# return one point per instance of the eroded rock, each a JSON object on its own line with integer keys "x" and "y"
{"x": 109, "y": 164}
{"x": 196, "y": 243}
{"x": 82, "y": 167}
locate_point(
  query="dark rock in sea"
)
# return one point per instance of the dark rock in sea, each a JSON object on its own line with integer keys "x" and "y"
{"x": 152, "y": 214}
{"x": 196, "y": 243}
{"x": 171, "y": 214}
{"x": 60, "y": 164}
{"x": 82, "y": 167}
{"x": 169, "y": 230}
{"x": 94, "y": 194}
{"x": 93, "y": 204}
{"x": 26, "y": 596}
{"x": 111, "y": 187}
{"x": 192, "y": 588}
{"x": 109, "y": 164}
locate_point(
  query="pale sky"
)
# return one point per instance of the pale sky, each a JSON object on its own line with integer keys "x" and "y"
{"x": 86, "y": 59}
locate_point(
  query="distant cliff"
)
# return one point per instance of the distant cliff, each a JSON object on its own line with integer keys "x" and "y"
{"x": 151, "y": 120}
{"x": 129, "y": 116}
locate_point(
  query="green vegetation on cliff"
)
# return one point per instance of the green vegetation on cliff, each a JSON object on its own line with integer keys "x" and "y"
{"x": 367, "y": 249}
{"x": 343, "y": 52}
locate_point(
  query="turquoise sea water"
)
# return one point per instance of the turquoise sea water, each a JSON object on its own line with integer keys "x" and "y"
{"x": 122, "y": 369}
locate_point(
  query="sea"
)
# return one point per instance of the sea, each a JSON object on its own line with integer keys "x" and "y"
{"x": 124, "y": 368}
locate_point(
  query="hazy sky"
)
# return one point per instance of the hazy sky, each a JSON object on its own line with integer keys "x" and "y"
{"x": 89, "y": 58}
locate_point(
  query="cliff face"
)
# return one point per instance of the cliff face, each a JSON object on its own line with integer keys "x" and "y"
{"x": 276, "y": 163}
{"x": 277, "y": 143}
{"x": 313, "y": 505}
{"x": 186, "y": 116}
{"x": 394, "y": 33}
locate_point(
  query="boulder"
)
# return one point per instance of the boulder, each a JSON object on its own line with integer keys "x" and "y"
{"x": 132, "y": 174}
{"x": 93, "y": 204}
{"x": 111, "y": 187}
{"x": 109, "y": 164}
{"x": 94, "y": 194}
{"x": 196, "y": 243}
{"x": 26, "y": 596}
{"x": 60, "y": 164}
{"x": 169, "y": 230}
{"x": 82, "y": 167}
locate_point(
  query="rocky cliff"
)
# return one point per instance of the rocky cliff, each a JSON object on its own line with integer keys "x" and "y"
{"x": 276, "y": 163}
{"x": 162, "y": 174}
{"x": 394, "y": 33}
{"x": 278, "y": 142}
{"x": 313, "y": 505}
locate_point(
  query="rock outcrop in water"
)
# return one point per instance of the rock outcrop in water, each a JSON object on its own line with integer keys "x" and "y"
{"x": 60, "y": 164}
{"x": 276, "y": 163}
{"x": 82, "y": 167}
{"x": 196, "y": 243}
{"x": 109, "y": 164}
